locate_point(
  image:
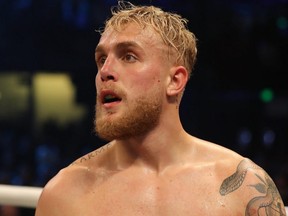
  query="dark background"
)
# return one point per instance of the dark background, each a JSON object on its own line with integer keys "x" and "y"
{"x": 243, "y": 53}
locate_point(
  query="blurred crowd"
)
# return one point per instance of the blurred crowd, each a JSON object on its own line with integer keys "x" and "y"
{"x": 29, "y": 159}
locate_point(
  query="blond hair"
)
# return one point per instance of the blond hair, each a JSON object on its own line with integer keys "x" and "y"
{"x": 171, "y": 27}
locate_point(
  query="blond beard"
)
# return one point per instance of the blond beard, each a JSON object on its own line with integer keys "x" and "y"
{"x": 139, "y": 119}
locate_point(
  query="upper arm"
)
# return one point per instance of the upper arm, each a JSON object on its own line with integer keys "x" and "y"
{"x": 255, "y": 188}
{"x": 46, "y": 204}
{"x": 54, "y": 198}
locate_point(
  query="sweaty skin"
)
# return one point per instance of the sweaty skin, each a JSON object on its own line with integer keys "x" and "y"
{"x": 160, "y": 171}
{"x": 96, "y": 185}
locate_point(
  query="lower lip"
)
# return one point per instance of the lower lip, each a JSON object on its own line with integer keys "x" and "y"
{"x": 111, "y": 105}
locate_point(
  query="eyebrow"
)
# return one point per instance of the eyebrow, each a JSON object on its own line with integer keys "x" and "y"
{"x": 121, "y": 45}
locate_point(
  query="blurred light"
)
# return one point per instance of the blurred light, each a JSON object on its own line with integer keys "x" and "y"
{"x": 82, "y": 14}
{"x": 55, "y": 98}
{"x": 282, "y": 23}
{"x": 24, "y": 4}
{"x": 266, "y": 95}
{"x": 67, "y": 10}
{"x": 268, "y": 138}
{"x": 244, "y": 137}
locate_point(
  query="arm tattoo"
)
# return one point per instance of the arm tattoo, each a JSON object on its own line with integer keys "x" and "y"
{"x": 270, "y": 201}
{"x": 234, "y": 181}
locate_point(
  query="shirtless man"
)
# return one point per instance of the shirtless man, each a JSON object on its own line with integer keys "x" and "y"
{"x": 150, "y": 165}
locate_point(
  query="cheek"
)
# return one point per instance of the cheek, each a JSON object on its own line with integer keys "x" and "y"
{"x": 145, "y": 84}
{"x": 151, "y": 76}
{"x": 98, "y": 76}
{"x": 150, "y": 88}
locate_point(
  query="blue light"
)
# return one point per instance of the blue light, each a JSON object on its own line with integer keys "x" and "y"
{"x": 23, "y": 4}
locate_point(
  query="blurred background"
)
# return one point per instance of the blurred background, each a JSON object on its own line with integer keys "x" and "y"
{"x": 237, "y": 96}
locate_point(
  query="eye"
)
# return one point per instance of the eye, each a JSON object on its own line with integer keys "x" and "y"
{"x": 101, "y": 60}
{"x": 129, "y": 58}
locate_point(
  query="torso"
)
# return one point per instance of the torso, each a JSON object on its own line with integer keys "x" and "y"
{"x": 187, "y": 192}
{"x": 187, "y": 189}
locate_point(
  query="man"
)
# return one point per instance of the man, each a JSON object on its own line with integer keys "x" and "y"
{"x": 150, "y": 165}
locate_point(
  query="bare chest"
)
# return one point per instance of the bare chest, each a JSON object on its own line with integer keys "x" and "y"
{"x": 147, "y": 196}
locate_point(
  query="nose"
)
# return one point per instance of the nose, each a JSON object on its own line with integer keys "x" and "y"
{"x": 107, "y": 71}
{"x": 108, "y": 77}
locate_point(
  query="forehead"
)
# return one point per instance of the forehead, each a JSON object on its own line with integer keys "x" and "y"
{"x": 143, "y": 37}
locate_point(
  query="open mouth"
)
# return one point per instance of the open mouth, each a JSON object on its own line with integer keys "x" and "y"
{"x": 108, "y": 97}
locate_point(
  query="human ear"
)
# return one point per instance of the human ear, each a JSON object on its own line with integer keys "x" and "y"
{"x": 178, "y": 80}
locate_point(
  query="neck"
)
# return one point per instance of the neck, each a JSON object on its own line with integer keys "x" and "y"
{"x": 156, "y": 150}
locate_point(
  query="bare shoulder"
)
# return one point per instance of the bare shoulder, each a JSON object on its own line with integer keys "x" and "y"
{"x": 58, "y": 190}
{"x": 242, "y": 181}
{"x": 99, "y": 155}
{"x": 222, "y": 157}
{"x": 70, "y": 183}
{"x": 253, "y": 185}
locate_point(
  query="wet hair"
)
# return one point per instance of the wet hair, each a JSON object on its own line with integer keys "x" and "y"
{"x": 170, "y": 26}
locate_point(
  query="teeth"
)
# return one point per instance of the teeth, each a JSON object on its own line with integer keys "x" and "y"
{"x": 110, "y": 98}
